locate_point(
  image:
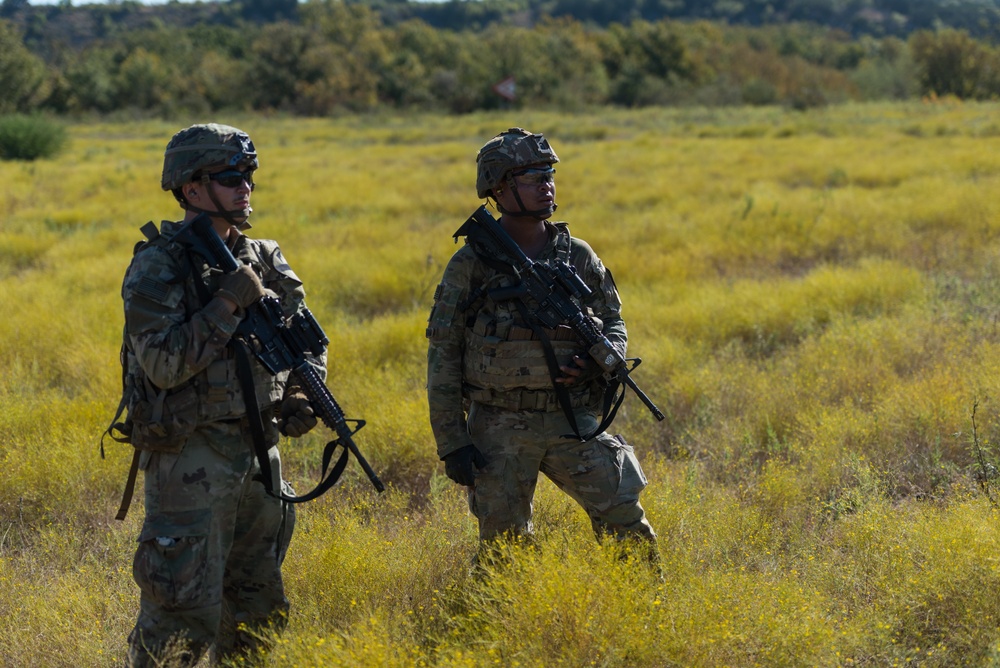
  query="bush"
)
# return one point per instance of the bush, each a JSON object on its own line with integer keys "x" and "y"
{"x": 29, "y": 137}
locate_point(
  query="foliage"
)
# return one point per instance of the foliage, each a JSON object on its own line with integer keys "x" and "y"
{"x": 859, "y": 17}
{"x": 22, "y": 74}
{"x": 30, "y": 137}
{"x": 329, "y": 57}
{"x": 952, "y": 63}
{"x": 815, "y": 302}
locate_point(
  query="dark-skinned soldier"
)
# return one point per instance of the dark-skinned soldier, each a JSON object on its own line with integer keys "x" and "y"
{"x": 493, "y": 397}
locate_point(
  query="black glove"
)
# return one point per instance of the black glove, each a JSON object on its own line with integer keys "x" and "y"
{"x": 296, "y": 415}
{"x": 242, "y": 286}
{"x": 461, "y": 465}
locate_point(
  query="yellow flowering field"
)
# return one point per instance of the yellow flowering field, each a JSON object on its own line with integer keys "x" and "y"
{"x": 815, "y": 299}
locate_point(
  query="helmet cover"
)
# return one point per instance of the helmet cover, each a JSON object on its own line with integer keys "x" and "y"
{"x": 199, "y": 147}
{"x": 508, "y": 151}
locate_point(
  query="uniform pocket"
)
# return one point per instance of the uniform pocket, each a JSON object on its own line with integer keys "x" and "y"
{"x": 631, "y": 479}
{"x": 163, "y": 422}
{"x": 171, "y": 562}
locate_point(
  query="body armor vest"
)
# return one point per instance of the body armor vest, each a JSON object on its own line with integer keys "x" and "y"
{"x": 504, "y": 360}
{"x": 161, "y": 418}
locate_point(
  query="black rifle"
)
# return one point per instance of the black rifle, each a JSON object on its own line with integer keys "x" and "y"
{"x": 282, "y": 344}
{"x": 552, "y": 287}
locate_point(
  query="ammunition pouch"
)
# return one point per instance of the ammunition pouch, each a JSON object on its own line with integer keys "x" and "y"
{"x": 163, "y": 420}
{"x": 504, "y": 356}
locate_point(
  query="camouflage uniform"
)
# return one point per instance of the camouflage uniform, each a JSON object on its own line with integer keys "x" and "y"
{"x": 488, "y": 384}
{"x": 212, "y": 543}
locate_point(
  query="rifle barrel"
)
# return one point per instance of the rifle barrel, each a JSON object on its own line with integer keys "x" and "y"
{"x": 333, "y": 417}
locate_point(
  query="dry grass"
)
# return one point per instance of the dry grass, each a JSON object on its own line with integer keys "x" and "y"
{"x": 813, "y": 294}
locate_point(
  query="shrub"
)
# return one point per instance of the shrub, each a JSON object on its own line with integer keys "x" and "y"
{"x": 30, "y": 137}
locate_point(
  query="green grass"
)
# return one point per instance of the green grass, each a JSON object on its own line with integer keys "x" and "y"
{"x": 813, "y": 294}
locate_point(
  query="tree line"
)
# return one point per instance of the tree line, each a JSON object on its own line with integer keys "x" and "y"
{"x": 326, "y": 57}
{"x": 858, "y": 17}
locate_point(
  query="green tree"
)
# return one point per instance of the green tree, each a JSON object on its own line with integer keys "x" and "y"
{"x": 280, "y": 67}
{"x": 23, "y": 76}
{"x": 950, "y": 62}
{"x": 9, "y": 8}
{"x": 576, "y": 74}
{"x": 643, "y": 59}
{"x": 91, "y": 82}
{"x": 148, "y": 81}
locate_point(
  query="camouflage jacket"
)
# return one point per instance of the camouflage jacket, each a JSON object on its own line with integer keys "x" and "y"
{"x": 177, "y": 345}
{"x": 460, "y": 302}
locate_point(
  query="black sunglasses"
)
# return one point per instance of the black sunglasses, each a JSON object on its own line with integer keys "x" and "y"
{"x": 232, "y": 178}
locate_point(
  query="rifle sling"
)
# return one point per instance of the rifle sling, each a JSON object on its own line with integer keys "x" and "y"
{"x": 244, "y": 371}
{"x": 608, "y": 411}
{"x": 550, "y": 358}
{"x": 487, "y": 252}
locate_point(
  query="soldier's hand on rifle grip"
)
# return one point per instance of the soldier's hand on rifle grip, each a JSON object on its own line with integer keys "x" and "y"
{"x": 242, "y": 287}
{"x": 573, "y": 373}
{"x": 461, "y": 465}
{"x": 296, "y": 416}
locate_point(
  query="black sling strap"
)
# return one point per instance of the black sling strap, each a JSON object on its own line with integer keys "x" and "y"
{"x": 244, "y": 372}
{"x": 562, "y": 394}
{"x": 609, "y": 405}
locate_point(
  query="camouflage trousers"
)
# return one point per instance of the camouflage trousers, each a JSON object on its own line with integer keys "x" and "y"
{"x": 210, "y": 551}
{"x": 601, "y": 474}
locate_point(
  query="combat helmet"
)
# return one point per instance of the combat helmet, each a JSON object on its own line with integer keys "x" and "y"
{"x": 201, "y": 146}
{"x": 506, "y": 152}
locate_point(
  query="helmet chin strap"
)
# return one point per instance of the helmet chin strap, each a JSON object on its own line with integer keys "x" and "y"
{"x": 540, "y": 214}
{"x": 229, "y": 215}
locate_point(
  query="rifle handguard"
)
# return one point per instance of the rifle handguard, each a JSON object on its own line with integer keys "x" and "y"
{"x": 606, "y": 356}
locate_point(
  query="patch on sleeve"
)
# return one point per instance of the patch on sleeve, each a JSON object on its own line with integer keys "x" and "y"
{"x": 281, "y": 266}
{"x": 152, "y": 288}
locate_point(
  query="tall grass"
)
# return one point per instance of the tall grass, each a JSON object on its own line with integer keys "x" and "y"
{"x": 813, "y": 295}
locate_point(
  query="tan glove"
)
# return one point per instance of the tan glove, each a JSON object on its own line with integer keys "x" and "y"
{"x": 296, "y": 416}
{"x": 242, "y": 286}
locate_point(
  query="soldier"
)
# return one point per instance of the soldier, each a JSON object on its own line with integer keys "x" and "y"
{"x": 495, "y": 405}
{"x": 208, "y": 563}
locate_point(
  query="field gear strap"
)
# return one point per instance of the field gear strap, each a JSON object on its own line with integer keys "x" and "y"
{"x": 152, "y": 233}
{"x": 126, "y": 391}
{"x": 133, "y": 473}
{"x": 562, "y": 395}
